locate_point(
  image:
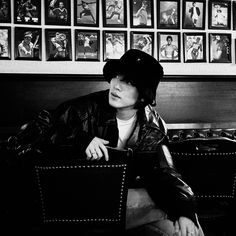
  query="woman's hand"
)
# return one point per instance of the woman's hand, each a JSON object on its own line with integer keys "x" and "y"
{"x": 97, "y": 149}
{"x": 185, "y": 227}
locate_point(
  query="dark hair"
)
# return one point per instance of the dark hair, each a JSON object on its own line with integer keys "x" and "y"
{"x": 169, "y": 37}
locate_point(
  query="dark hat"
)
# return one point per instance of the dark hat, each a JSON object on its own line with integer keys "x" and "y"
{"x": 139, "y": 68}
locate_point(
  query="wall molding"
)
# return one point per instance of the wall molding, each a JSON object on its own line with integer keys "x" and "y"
{"x": 99, "y": 77}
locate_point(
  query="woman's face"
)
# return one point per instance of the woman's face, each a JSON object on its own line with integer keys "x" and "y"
{"x": 122, "y": 94}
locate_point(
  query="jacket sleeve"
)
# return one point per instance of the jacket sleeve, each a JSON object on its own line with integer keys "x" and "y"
{"x": 32, "y": 136}
{"x": 168, "y": 190}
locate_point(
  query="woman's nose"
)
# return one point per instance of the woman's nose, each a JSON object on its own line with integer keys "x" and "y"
{"x": 117, "y": 84}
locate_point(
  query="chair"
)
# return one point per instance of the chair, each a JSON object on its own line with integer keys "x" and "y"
{"x": 85, "y": 197}
{"x": 208, "y": 165}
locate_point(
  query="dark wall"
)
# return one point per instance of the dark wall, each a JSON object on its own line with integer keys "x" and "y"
{"x": 180, "y": 99}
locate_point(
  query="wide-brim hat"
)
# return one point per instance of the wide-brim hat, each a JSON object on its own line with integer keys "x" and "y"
{"x": 138, "y": 67}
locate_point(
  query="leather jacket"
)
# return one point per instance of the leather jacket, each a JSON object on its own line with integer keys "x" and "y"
{"x": 76, "y": 122}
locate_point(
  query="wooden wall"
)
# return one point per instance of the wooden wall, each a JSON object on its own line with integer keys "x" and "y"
{"x": 180, "y": 99}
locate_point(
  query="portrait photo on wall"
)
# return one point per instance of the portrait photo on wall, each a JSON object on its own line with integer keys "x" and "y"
{"x": 86, "y": 13}
{"x": 5, "y": 43}
{"x": 57, "y": 12}
{"x": 87, "y": 45}
{"x": 169, "y": 47}
{"x": 194, "y": 14}
{"x": 5, "y": 11}
{"x": 219, "y": 14}
{"x": 168, "y": 14}
{"x": 114, "y": 13}
{"x": 141, "y": 14}
{"x": 27, "y": 12}
{"x": 28, "y": 43}
{"x": 114, "y": 44}
{"x": 143, "y": 41}
{"x": 194, "y": 47}
{"x": 234, "y": 15}
{"x": 58, "y": 44}
{"x": 220, "y": 48}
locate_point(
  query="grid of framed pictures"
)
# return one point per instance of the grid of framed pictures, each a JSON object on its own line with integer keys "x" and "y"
{"x": 165, "y": 38}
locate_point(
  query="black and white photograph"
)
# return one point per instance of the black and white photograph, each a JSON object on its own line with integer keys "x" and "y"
{"x": 5, "y": 43}
{"x": 87, "y": 45}
{"x": 194, "y": 14}
{"x": 143, "y": 41}
{"x": 114, "y": 44}
{"x": 5, "y": 11}
{"x": 57, "y": 12}
{"x": 220, "y": 48}
{"x": 58, "y": 45}
{"x": 169, "y": 47}
{"x": 234, "y": 15}
{"x": 219, "y": 14}
{"x": 86, "y": 13}
{"x": 28, "y": 43}
{"x": 141, "y": 14}
{"x": 27, "y": 12}
{"x": 114, "y": 13}
{"x": 194, "y": 47}
{"x": 168, "y": 14}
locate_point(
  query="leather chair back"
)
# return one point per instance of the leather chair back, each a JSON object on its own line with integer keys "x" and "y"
{"x": 81, "y": 195}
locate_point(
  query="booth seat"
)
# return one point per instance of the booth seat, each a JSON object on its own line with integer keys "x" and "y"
{"x": 206, "y": 159}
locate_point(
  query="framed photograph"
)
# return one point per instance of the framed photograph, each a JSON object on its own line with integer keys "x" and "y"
{"x": 194, "y": 14}
{"x": 87, "y": 45}
{"x": 141, "y": 14}
{"x": 234, "y": 15}
{"x": 114, "y": 13}
{"x": 57, "y": 12}
{"x": 114, "y": 44}
{"x": 168, "y": 14}
{"x": 169, "y": 47}
{"x": 194, "y": 47}
{"x": 28, "y": 43}
{"x": 58, "y": 44}
{"x": 5, "y": 43}
{"x": 27, "y": 12}
{"x": 219, "y": 14}
{"x": 220, "y": 48}
{"x": 86, "y": 13}
{"x": 5, "y": 11}
{"x": 143, "y": 41}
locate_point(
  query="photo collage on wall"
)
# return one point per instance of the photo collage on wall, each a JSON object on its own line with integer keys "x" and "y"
{"x": 172, "y": 30}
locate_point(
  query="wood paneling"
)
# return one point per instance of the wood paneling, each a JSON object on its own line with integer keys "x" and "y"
{"x": 180, "y": 99}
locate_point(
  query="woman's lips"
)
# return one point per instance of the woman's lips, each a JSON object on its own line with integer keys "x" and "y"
{"x": 115, "y": 95}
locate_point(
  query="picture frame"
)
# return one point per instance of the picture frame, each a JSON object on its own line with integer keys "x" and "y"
{"x": 86, "y": 13}
{"x": 169, "y": 47}
{"x": 114, "y": 13}
{"x": 194, "y": 45}
{"x": 114, "y": 44}
{"x": 234, "y": 14}
{"x": 220, "y": 48}
{"x": 194, "y": 13}
{"x": 141, "y": 14}
{"x": 87, "y": 45}
{"x": 143, "y": 41}
{"x": 57, "y": 12}
{"x": 219, "y": 14}
{"x": 28, "y": 44}
{"x": 58, "y": 44}
{"x": 27, "y": 12}
{"x": 5, "y": 11}
{"x": 168, "y": 14}
{"x": 5, "y": 43}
